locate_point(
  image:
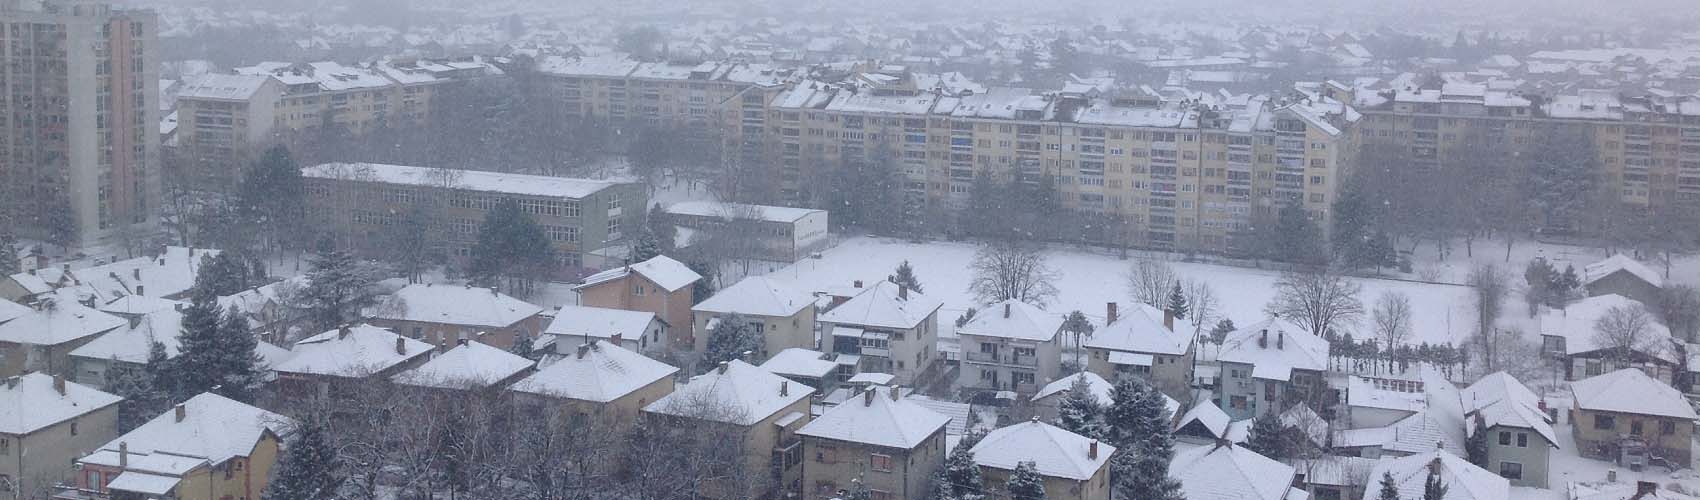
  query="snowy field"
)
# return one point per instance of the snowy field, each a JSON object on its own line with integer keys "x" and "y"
{"x": 1089, "y": 280}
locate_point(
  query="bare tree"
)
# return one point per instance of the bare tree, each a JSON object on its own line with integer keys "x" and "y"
{"x": 1150, "y": 281}
{"x": 1204, "y": 304}
{"x": 1679, "y": 310}
{"x": 1005, "y": 270}
{"x": 1491, "y": 285}
{"x": 1392, "y": 318}
{"x": 1321, "y": 301}
{"x": 1624, "y": 331}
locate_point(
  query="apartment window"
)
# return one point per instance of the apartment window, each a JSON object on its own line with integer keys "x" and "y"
{"x": 879, "y": 462}
{"x": 1504, "y": 438}
{"x": 1511, "y": 470}
{"x": 613, "y": 201}
{"x": 637, "y": 290}
{"x": 1605, "y": 422}
{"x": 613, "y": 228}
{"x": 1522, "y": 440}
{"x": 1021, "y": 377}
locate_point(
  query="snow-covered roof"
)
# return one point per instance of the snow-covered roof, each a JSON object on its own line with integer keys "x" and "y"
{"x": 453, "y": 305}
{"x": 848, "y": 102}
{"x": 57, "y": 322}
{"x": 800, "y": 362}
{"x": 133, "y": 305}
{"x": 757, "y": 296}
{"x": 1014, "y": 320}
{"x": 1621, "y": 263}
{"x": 326, "y": 76}
{"x": 1495, "y": 387}
{"x": 1100, "y": 388}
{"x": 767, "y": 213}
{"x": 1505, "y": 413}
{"x": 1306, "y": 421}
{"x": 30, "y": 402}
{"x": 469, "y": 180}
{"x": 363, "y": 350}
{"x": 741, "y": 394}
{"x": 1141, "y": 330}
{"x": 605, "y": 372}
{"x": 601, "y": 66}
{"x": 31, "y": 283}
{"x": 872, "y": 378}
{"x": 1229, "y": 472}
{"x": 599, "y": 323}
{"x": 1576, "y": 324}
{"x": 171, "y": 273}
{"x": 144, "y": 483}
{"x": 956, "y": 412}
{"x": 1361, "y": 392}
{"x": 669, "y": 274}
{"x": 1463, "y": 480}
{"x": 1207, "y": 414}
{"x": 1054, "y": 452}
{"x": 1630, "y": 391}
{"x": 882, "y": 419}
{"x": 131, "y": 343}
{"x": 1286, "y": 347}
{"x": 1620, "y": 491}
{"x": 472, "y": 365}
{"x": 223, "y": 86}
{"x": 213, "y": 428}
{"x": 883, "y": 306}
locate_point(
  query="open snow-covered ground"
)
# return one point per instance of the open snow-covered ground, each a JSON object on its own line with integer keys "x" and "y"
{"x": 1089, "y": 280}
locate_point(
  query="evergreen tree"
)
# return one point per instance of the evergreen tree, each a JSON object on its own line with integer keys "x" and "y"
{"x": 237, "y": 359}
{"x": 661, "y": 226}
{"x": 961, "y": 475}
{"x": 1560, "y": 180}
{"x": 9, "y": 262}
{"x": 1177, "y": 302}
{"x": 1476, "y": 446}
{"x": 511, "y": 245}
{"x": 1268, "y": 437}
{"x": 308, "y": 469}
{"x": 272, "y": 196}
{"x": 1025, "y": 483}
{"x": 1433, "y": 487}
{"x": 967, "y": 315}
{"x": 1389, "y": 489}
{"x": 337, "y": 289}
{"x": 730, "y": 339}
{"x": 1079, "y": 412}
{"x": 223, "y": 274}
{"x": 199, "y": 335}
{"x": 1125, "y": 421}
{"x": 858, "y": 491}
{"x": 146, "y": 392}
{"x": 905, "y": 276}
{"x": 645, "y": 245}
{"x": 703, "y": 288}
{"x": 1139, "y": 474}
{"x": 523, "y": 346}
{"x": 1219, "y": 334}
{"x": 216, "y": 355}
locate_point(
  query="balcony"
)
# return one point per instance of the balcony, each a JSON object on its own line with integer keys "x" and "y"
{"x": 1011, "y": 359}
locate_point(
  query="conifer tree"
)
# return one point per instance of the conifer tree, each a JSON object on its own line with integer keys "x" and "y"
{"x": 1433, "y": 487}
{"x": 961, "y": 475}
{"x": 1025, "y": 483}
{"x": 1177, "y": 302}
{"x": 905, "y": 276}
{"x": 1268, "y": 437}
{"x": 1079, "y": 412}
{"x": 1476, "y": 446}
{"x": 523, "y": 346}
{"x": 9, "y": 262}
{"x": 511, "y": 245}
{"x": 199, "y": 335}
{"x": 337, "y": 289}
{"x": 1389, "y": 489}
{"x": 146, "y": 392}
{"x": 309, "y": 469}
{"x": 730, "y": 339}
{"x": 1219, "y": 334}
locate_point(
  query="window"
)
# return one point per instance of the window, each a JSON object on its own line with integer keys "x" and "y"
{"x": 1667, "y": 428}
{"x": 613, "y": 228}
{"x": 1511, "y": 470}
{"x": 1605, "y": 422}
{"x": 1635, "y": 427}
{"x": 880, "y": 462}
{"x": 880, "y": 495}
{"x": 1504, "y": 438}
{"x": 5, "y": 446}
{"x": 637, "y": 289}
{"x": 1522, "y": 440}
{"x": 1021, "y": 377}
{"x": 73, "y": 428}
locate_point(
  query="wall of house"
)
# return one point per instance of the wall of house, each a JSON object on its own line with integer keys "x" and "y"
{"x": 830, "y": 465}
{"x": 1169, "y": 373}
{"x": 51, "y": 450}
{"x": 1588, "y": 364}
{"x": 1533, "y": 456}
{"x": 1626, "y": 284}
{"x": 977, "y": 363}
{"x": 18, "y": 359}
{"x": 764, "y": 436}
{"x": 239, "y": 477}
{"x": 438, "y": 334}
{"x": 674, "y": 307}
{"x": 779, "y": 333}
{"x": 1097, "y": 488}
{"x": 1595, "y": 442}
{"x": 1362, "y": 417}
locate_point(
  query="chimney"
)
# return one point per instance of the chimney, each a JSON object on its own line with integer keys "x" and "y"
{"x": 1263, "y": 339}
{"x": 180, "y": 411}
{"x": 902, "y": 292}
{"x": 582, "y": 350}
{"x": 868, "y": 397}
{"x": 1281, "y": 339}
{"x": 135, "y": 321}
{"x": 140, "y": 290}
{"x": 59, "y": 384}
{"x": 401, "y": 345}
{"x": 1611, "y": 475}
{"x": 896, "y": 392}
{"x": 722, "y": 367}
{"x": 1169, "y": 320}
{"x": 857, "y": 283}
{"x": 342, "y": 332}
{"x": 1644, "y": 489}
{"x": 1006, "y": 310}
{"x": 123, "y": 454}
{"x": 1109, "y": 312}
{"x": 12, "y": 382}
{"x": 1092, "y": 450}
{"x": 616, "y": 339}
{"x": 784, "y": 388}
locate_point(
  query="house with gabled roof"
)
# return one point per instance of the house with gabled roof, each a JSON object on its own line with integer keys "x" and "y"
{"x": 890, "y": 443}
{"x": 1572, "y": 334}
{"x": 1520, "y": 438}
{"x": 1463, "y": 480}
{"x": 1224, "y": 471}
{"x": 764, "y": 409}
{"x": 659, "y": 285}
{"x": 1074, "y": 467}
{"x": 782, "y": 314}
{"x": 1050, "y": 397}
{"x": 41, "y": 337}
{"x": 1439, "y": 423}
{"x": 640, "y": 331}
{"x": 446, "y": 315}
{"x": 1622, "y": 275}
{"x": 1147, "y": 343}
{"x": 207, "y": 448}
{"x": 1626, "y": 408}
{"x": 125, "y": 350}
{"x": 1269, "y": 366}
{"x": 819, "y": 370}
{"x": 334, "y": 364}
{"x": 47, "y": 422}
{"x": 888, "y": 327}
{"x": 471, "y": 366}
{"x": 1011, "y": 346}
{"x": 598, "y": 380}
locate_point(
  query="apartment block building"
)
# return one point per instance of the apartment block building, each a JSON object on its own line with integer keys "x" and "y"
{"x": 79, "y": 118}
{"x": 1181, "y": 173}
{"x": 1647, "y": 146}
{"x": 360, "y": 203}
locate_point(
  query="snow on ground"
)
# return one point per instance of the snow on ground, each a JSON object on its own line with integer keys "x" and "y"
{"x": 1568, "y": 465}
{"x": 1455, "y": 269}
{"x": 1088, "y": 280}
